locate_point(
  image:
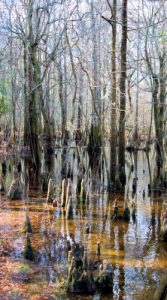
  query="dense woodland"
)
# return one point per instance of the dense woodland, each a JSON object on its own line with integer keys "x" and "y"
{"x": 87, "y": 76}
{"x": 90, "y": 71}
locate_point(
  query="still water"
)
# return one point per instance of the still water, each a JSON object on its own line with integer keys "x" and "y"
{"x": 134, "y": 249}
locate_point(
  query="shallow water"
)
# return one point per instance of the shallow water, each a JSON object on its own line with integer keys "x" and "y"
{"x": 134, "y": 249}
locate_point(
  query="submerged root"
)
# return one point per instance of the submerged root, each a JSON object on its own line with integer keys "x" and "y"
{"x": 81, "y": 279}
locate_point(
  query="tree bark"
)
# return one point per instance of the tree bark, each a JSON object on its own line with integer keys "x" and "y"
{"x": 34, "y": 105}
{"x": 122, "y": 86}
{"x": 26, "y": 111}
{"x": 113, "y": 137}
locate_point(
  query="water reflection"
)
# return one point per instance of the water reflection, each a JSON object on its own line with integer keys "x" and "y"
{"x": 133, "y": 248}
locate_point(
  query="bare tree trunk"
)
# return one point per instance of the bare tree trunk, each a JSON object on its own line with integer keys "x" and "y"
{"x": 162, "y": 101}
{"x": 95, "y": 140}
{"x": 80, "y": 104}
{"x": 75, "y": 77}
{"x": 96, "y": 96}
{"x": 113, "y": 137}
{"x": 62, "y": 104}
{"x": 26, "y": 111}
{"x": 33, "y": 105}
{"x": 122, "y": 86}
{"x": 159, "y": 117}
{"x": 136, "y": 134}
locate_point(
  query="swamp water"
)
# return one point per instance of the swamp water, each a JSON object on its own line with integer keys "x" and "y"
{"x": 134, "y": 249}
